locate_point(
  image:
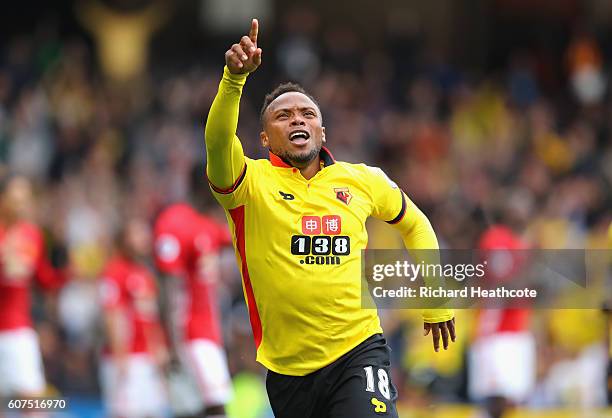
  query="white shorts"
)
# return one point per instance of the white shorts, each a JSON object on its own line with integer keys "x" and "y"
{"x": 502, "y": 365}
{"x": 207, "y": 363}
{"x": 21, "y": 367}
{"x": 140, "y": 393}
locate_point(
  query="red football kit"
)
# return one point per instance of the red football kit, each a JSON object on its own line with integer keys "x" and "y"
{"x": 128, "y": 286}
{"x": 187, "y": 244}
{"x": 22, "y": 260}
{"x": 496, "y": 239}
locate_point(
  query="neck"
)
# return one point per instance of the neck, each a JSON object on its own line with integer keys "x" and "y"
{"x": 310, "y": 168}
{"x": 9, "y": 220}
{"x": 125, "y": 253}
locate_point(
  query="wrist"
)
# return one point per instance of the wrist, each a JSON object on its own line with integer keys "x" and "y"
{"x": 241, "y": 77}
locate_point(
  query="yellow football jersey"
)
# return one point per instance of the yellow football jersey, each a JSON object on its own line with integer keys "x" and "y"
{"x": 299, "y": 246}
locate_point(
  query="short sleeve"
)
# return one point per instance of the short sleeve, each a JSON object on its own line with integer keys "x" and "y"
{"x": 388, "y": 200}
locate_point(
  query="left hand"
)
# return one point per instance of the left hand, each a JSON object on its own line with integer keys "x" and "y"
{"x": 445, "y": 329}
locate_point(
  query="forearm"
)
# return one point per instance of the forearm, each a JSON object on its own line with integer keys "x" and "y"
{"x": 155, "y": 341}
{"x": 416, "y": 230}
{"x": 170, "y": 325}
{"x": 421, "y": 241}
{"x": 116, "y": 341}
{"x": 225, "y": 157}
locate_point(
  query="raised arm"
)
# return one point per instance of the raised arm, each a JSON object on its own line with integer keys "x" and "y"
{"x": 225, "y": 157}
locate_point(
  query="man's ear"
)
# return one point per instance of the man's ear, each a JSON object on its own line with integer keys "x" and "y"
{"x": 323, "y": 133}
{"x": 264, "y": 139}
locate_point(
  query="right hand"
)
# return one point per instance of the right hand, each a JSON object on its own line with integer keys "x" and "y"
{"x": 244, "y": 57}
{"x": 445, "y": 329}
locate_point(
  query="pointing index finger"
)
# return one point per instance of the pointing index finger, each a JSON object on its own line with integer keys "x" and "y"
{"x": 254, "y": 31}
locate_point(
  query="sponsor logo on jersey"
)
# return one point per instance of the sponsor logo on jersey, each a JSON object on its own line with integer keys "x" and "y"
{"x": 321, "y": 242}
{"x": 286, "y": 196}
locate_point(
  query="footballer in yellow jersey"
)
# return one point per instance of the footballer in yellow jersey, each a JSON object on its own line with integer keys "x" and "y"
{"x": 298, "y": 220}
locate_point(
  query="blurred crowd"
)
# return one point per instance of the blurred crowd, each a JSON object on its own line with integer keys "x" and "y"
{"x": 470, "y": 149}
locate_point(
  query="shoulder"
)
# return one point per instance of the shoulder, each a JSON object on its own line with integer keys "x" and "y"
{"x": 259, "y": 164}
{"x": 29, "y": 230}
{"x": 176, "y": 220}
{"x": 209, "y": 233}
{"x": 174, "y": 214}
{"x": 114, "y": 269}
{"x": 29, "y": 235}
{"x": 353, "y": 168}
{"x": 138, "y": 276}
{"x": 362, "y": 171}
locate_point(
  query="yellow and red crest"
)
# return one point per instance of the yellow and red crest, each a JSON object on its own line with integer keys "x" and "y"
{"x": 343, "y": 194}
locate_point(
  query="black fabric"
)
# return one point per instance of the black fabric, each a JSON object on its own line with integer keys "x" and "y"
{"x": 401, "y": 213}
{"x": 339, "y": 389}
{"x": 326, "y": 157}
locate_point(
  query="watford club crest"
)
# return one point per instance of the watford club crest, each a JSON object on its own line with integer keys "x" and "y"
{"x": 343, "y": 194}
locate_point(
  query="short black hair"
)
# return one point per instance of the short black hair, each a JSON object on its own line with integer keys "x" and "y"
{"x": 283, "y": 88}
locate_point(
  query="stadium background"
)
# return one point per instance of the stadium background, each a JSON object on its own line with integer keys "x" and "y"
{"x": 478, "y": 109}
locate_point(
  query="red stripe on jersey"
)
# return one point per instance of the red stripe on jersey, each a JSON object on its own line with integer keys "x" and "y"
{"x": 237, "y": 215}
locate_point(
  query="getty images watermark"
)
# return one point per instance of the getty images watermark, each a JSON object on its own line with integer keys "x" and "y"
{"x": 492, "y": 278}
{"x": 433, "y": 271}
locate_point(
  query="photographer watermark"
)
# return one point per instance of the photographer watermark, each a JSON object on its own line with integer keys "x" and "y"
{"x": 491, "y": 278}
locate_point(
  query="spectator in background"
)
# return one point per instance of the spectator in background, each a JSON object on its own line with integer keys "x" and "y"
{"x": 132, "y": 382}
{"x": 585, "y": 66}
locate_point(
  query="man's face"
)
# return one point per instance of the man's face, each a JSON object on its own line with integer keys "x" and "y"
{"x": 138, "y": 237}
{"x": 293, "y": 129}
{"x": 17, "y": 199}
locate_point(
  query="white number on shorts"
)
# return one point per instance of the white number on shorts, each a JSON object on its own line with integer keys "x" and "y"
{"x": 369, "y": 379}
{"x": 383, "y": 381}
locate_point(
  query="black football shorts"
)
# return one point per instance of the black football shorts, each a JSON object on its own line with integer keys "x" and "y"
{"x": 357, "y": 385}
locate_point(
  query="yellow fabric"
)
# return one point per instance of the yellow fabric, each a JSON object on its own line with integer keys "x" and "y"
{"x": 220, "y": 133}
{"x": 418, "y": 234}
{"x": 309, "y": 305}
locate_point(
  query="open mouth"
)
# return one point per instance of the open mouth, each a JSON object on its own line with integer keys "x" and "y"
{"x": 299, "y": 137}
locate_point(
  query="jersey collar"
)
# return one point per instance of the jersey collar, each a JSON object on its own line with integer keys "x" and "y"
{"x": 326, "y": 157}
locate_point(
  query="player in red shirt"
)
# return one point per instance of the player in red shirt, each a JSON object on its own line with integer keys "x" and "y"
{"x": 131, "y": 366}
{"x": 502, "y": 357}
{"x": 23, "y": 260}
{"x": 187, "y": 246}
